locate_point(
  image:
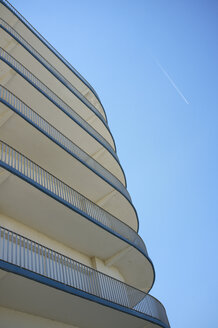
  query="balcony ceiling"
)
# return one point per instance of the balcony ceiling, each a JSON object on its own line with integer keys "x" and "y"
{"x": 26, "y": 295}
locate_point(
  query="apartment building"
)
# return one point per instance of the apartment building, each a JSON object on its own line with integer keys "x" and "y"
{"x": 70, "y": 253}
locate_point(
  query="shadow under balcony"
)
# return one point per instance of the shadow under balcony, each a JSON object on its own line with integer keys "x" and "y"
{"x": 37, "y": 280}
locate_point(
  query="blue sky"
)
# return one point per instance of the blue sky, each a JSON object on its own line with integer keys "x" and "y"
{"x": 165, "y": 130}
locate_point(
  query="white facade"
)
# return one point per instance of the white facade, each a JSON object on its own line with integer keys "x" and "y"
{"x": 70, "y": 254}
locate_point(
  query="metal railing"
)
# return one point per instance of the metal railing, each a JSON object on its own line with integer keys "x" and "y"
{"x": 26, "y": 112}
{"x": 28, "y": 254}
{"x": 32, "y": 173}
{"x": 41, "y": 38}
{"x": 51, "y": 68}
{"x": 56, "y": 100}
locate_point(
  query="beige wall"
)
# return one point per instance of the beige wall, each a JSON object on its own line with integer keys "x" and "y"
{"x": 14, "y": 319}
{"x": 24, "y": 230}
{"x": 109, "y": 270}
{"x": 41, "y": 238}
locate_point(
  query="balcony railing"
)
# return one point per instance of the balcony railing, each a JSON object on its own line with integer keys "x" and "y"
{"x": 56, "y": 100}
{"x": 36, "y": 120}
{"x": 51, "y": 68}
{"x": 25, "y": 253}
{"x": 41, "y": 38}
{"x": 27, "y": 170}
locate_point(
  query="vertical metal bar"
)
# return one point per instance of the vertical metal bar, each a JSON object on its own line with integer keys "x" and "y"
{"x": 67, "y": 271}
{"x": 76, "y": 274}
{"x": 1, "y": 257}
{"x": 20, "y": 251}
{"x": 16, "y": 251}
{"x": 3, "y": 248}
{"x": 8, "y": 246}
{"x": 35, "y": 258}
{"x": 12, "y": 248}
{"x": 53, "y": 264}
{"x": 71, "y": 273}
{"x": 59, "y": 267}
{"x": 31, "y": 250}
{"x": 45, "y": 261}
{"x": 63, "y": 269}
{"x": 96, "y": 286}
{"x": 49, "y": 261}
{"x": 39, "y": 262}
{"x": 81, "y": 277}
{"x": 27, "y": 252}
{"x": 56, "y": 267}
{"x": 24, "y": 257}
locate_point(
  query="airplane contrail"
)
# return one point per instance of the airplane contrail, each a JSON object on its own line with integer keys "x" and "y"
{"x": 171, "y": 81}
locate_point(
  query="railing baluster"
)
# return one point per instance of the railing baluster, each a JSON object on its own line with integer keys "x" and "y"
{"x": 44, "y": 261}
{"x": 8, "y": 237}
{"x": 56, "y": 266}
{"x": 39, "y": 261}
{"x": 68, "y": 282}
{"x": 31, "y": 252}
{"x": 12, "y": 248}
{"x": 1, "y": 247}
{"x": 20, "y": 252}
{"x": 35, "y": 258}
{"x": 16, "y": 249}
{"x": 24, "y": 255}
{"x": 64, "y": 269}
{"x": 60, "y": 268}
{"x": 49, "y": 263}
{"x": 27, "y": 253}
{"x": 72, "y": 273}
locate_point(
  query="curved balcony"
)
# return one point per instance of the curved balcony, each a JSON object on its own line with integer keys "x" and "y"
{"x": 81, "y": 103}
{"x": 116, "y": 243}
{"x": 41, "y": 72}
{"x": 24, "y": 257}
{"x": 57, "y": 102}
{"x": 56, "y": 53}
{"x": 7, "y": 98}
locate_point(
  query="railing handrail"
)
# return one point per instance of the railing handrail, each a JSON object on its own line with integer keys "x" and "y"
{"x": 18, "y": 250}
{"x": 10, "y": 7}
{"x": 57, "y": 101}
{"x": 45, "y": 127}
{"x": 45, "y": 181}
